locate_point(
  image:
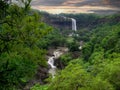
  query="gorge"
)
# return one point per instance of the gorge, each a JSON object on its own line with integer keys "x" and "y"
{"x": 57, "y": 53}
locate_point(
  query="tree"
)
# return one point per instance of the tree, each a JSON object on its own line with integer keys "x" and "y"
{"x": 19, "y": 53}
{"x": 111, "y": 71}
{"x": 3, "y": 9}
{"x": 75, "y": 77}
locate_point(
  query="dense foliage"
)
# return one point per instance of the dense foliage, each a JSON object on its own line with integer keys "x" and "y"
{"x": 20, "y": 30}
{"x": 24, "y": 39}
{"x": 52, "y": 40}
{"x": 99, "y": 67}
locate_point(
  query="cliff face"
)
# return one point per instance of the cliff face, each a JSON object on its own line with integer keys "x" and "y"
{"x": 83, "y": 20}
{"x": 58, "y": 22}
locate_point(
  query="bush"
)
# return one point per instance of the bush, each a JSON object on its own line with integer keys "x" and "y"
{"x": 66, "y": 58}
{"x": 39, "y": 87}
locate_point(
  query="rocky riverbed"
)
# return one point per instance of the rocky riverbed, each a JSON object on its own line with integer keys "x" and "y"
{"x": 43, "y": 72}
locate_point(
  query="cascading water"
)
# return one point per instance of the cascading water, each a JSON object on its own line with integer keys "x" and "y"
{"x": 52, "y": 70}
{"x": 51, "y": 59}
{"x": 74, "y": 26}
{"x": 51, "y": 62}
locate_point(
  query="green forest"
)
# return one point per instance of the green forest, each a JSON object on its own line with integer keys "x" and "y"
{"x": 26, "y": 40}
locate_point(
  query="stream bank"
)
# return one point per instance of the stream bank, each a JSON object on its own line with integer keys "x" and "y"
{"x": 53, "y": 57}
{"x": 43, "y": 72}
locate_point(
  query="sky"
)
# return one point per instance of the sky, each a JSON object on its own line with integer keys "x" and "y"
{"x": 77, "y": 6}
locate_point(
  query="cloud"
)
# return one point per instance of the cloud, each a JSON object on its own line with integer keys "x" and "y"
{"x": 71, "y": 2}
{"x": 76, "y": 6}
{"x": 115, "y": 3}
{"x": 48, "y": 2}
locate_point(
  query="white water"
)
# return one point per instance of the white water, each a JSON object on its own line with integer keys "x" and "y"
{"x": 52, "y": 70}
{"x": 51, "y": 62}
{"x": 57, "y": 54}
{"x": 51, "y": 59}
{"x": 80, "y": 47}
{"x": 74, "y": 26}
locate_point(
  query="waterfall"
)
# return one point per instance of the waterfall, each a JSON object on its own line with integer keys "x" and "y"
{"x": 52, "y": 70}
{"x": 51, "y": 62}
{"x": 74, "y": 27}
{"x": 51, "y": 59}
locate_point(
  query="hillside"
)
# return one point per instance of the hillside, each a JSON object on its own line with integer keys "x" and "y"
{"x": 41, "y": 51}
{"x": 98, "y": 61}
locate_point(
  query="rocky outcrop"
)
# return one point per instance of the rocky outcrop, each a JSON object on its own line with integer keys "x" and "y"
{"x": 59, "y": 64}
{"x": 41, "y": 75}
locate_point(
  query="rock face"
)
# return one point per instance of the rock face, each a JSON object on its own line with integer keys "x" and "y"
{"x": 59, "y": 64}
{"x": 42, "y": 74}
{"x": 57, "y": 21}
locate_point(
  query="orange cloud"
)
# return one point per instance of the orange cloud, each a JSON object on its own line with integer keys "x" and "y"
{"x": 71, "y": 2}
